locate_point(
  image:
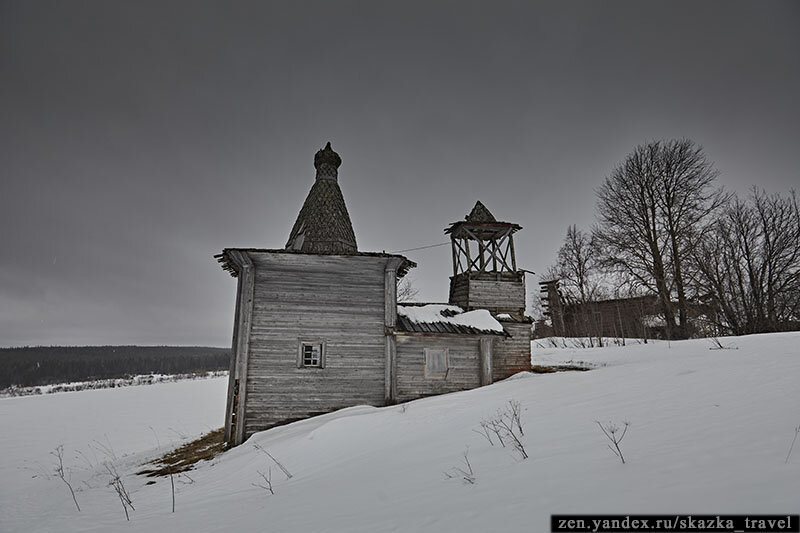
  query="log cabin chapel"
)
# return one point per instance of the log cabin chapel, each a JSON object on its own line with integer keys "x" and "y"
{"x": 317, "y": 325}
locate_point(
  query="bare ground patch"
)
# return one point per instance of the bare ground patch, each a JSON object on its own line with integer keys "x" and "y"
{"x": 549, "y": 369}
{"x": 186, "y": 456}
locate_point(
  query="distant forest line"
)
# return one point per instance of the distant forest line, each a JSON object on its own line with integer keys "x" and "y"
{"x": 45, "y": 365}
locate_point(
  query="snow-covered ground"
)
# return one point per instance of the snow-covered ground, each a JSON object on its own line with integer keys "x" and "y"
{"x": 130, "y": 424}
{"x": 709, "y": 433}
{"x": 109, "y": 383}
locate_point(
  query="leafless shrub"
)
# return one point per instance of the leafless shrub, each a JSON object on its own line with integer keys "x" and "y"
{"x": 796, "y": 432}
{"x": 485, "y": 432}
{"x": 185, "y": 475}
{"x": 611, "y": 431}
{"x": 466, "y": 473}
{"x": 85, "y": 459}
{"x": 515, "y": 410}
{"x": 158, "y": 442}
{"x": 717, "y": 345}
{"x": 116, "y": 483}
{"x": 107, "y": 450}
{"x": 58, "y": 453}
{"x": 506, "y": 425}
{"x": 180, "y": 434}
{"x": 267, "y": 485}
{"x": 283, "y": 468}
{"x": 493, "y": 425}
{"x": 515, "y": 439}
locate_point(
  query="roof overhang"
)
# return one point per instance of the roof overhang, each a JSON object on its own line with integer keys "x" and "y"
{"x": 231, "y": 258}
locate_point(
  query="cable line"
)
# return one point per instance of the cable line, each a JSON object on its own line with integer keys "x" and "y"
{"x": 420, "y": 248}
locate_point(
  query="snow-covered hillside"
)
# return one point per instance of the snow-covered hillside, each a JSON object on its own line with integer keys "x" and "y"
{"x": 709, "y": 433}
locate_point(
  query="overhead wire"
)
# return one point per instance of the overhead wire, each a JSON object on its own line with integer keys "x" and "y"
{"x": 420, "y": 248}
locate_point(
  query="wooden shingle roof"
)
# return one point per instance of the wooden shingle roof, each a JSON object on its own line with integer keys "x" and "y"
{"x": 481, "y": 224}
{"x": 480, "y": 213}
{"x": 445, "y": 319}
{"x": 323, "y": 225}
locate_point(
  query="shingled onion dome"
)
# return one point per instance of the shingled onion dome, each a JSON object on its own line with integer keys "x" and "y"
{"x": 323, "y": 225}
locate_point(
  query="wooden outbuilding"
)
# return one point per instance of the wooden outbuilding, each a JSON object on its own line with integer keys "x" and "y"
{"x": 317, "y": 326}
{"x": 632, "y": 317}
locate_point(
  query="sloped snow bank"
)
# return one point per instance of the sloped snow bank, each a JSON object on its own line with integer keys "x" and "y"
{"x": 709, "y": 433}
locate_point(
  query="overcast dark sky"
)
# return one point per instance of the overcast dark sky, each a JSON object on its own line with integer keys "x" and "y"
{"x": 137, "y": 139}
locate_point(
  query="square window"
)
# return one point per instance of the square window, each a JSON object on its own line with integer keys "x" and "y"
{"x": 436, "y": 363}
{"x": 312, "y": 354}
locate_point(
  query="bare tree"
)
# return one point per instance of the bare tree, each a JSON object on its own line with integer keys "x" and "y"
{"x": 576, "y": 266}
{"x": 652, "y": 209}
{"x": 581, "y": 281}
{"x": 406, "y": 292}
{"x": 749, "y": 265}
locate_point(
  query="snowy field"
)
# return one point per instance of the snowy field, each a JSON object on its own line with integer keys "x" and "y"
{"x": 709, "y": 433}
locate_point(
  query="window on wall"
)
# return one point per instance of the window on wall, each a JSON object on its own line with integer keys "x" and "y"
{"x": 311, "y": 355}
{"x": 436, "y": 363}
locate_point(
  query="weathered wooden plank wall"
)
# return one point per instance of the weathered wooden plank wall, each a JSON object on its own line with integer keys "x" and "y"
{"x": 304, "y": 297}
{"x": 459, "y": 291}
{"x": 486, "y": 360}
{"x": 626, "y": 317}
{"x": 233, "y": 375}
{"x": 237, "y": 396}
{"x": 464, "y": 370}
{"x": 498, "y": 296}
{"x": 512, "y": 354}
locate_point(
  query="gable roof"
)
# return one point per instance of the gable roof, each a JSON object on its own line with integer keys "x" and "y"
{"x": 323, "y": 225}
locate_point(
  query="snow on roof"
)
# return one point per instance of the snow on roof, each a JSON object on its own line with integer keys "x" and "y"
{"x": 446, "y": 319}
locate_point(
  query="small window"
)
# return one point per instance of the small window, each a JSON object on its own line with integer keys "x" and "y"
{"x": 436, "y": 363}
{"x": 311, "y": 355}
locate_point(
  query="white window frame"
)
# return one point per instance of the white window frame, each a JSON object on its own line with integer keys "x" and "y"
{"x": 301, "y": 345}
{"x": 429, "y": 353}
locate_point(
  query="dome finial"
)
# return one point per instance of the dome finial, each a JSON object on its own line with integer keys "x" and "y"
{"x": 323, "y": 225}
{"x": 327, "y": 162}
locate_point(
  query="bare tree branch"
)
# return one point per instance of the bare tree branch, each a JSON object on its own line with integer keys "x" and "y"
{"x": 652, "y": 210}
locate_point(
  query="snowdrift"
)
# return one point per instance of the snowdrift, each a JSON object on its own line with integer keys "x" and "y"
{"x": 709, "y": 433}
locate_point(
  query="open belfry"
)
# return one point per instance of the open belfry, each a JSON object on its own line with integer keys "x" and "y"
{"x": 317, "y": 325}
{"x": 485, "y": 276}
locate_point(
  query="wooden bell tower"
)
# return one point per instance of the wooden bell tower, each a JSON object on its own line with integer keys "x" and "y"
{"x": 485, "y": 274}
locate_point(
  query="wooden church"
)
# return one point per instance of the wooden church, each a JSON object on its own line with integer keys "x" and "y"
{"x": 317, "y": 325}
